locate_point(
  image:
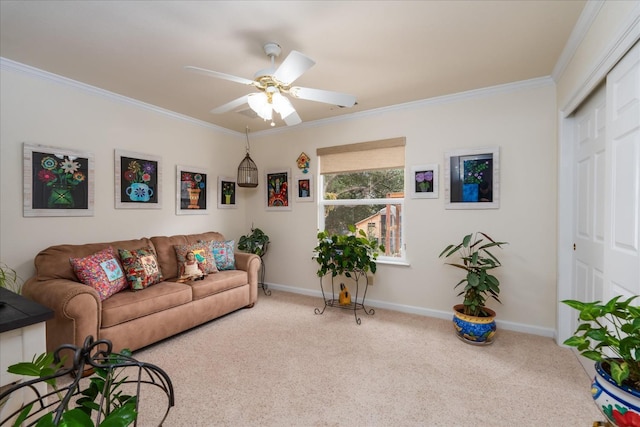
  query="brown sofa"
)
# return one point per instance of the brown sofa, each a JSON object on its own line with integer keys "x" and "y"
{"x": 135, "y": 319}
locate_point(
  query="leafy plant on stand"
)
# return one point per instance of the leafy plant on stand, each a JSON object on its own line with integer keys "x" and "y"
{"x": 477, "y": 261}
{"x": 256, "y": 243}
{"x": 346, "y": 254}
{"x": 103, "y": 395}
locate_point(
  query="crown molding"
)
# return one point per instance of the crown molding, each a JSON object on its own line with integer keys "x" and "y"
{"x": 10, "y": 65}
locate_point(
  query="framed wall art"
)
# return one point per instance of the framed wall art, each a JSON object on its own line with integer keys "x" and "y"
{"x": 57, "y": 182}
{"x": 277, "y": 191}
{"x": 192, "y": 191}
{"x": 424, "y": 181}
{"x": 138, "y": 180}
{"x": 304, "y": 188}
{"x": 227, "y": 192}
{"x": 472, "y": 178}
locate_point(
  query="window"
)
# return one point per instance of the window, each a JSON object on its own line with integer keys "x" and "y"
{"x": 363, "y": 184}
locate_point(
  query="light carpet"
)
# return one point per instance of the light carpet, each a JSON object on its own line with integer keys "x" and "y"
{"x": 279, "y": 364}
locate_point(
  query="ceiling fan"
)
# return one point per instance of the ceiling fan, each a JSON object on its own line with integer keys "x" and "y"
{"x": 273, "y": 84}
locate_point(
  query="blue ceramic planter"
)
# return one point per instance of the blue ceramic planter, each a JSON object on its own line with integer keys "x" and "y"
{"x": 472, "y": 329}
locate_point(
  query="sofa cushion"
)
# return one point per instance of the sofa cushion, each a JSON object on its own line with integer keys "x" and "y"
{"x": 223, "y": 253}
{"x": 53, "y": 262}
{"x": 167, "y": 255}
{"x": 219, "y": 282}
{"x": 141, "y": 267}
{"x": 102, "y": 271}
{"x": 203, "y": 255}
{"x": 132, "y": 305}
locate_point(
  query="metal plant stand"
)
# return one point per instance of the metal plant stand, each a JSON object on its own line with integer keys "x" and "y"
{"x": 264, "y": 286}
{"x": 94, "y": 355}
{"x": 354, "y": 305}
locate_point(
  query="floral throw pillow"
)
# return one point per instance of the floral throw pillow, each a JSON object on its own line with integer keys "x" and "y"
{"x": 141, "y": 267}
{"x": 223, "y": 254}
{"x": 102, "y": 271}
{"x": 202, "y": 253}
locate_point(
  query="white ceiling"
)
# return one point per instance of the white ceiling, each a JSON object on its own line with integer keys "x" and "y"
{"x": 384, "y": 52}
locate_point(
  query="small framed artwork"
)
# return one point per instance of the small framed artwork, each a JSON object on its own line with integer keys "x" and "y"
{"x": 304, "y": 188}
{"x": 424, "y": 181}
{"x": 472, "y": 178}
{"x": 227, "y": 192}
{"x": 277, "y": 193}
{"x": 57, "y": 182}
{"x": 138, "y": 180}
{"x": 192, "y": 191}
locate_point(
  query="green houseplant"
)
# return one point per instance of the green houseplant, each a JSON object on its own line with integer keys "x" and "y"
{"x": 350, "y": 254}
{"x": 473, "y": 321}
{"x": 256, "y": 243}
{"x": 9, "y": 278}
{"x": 609, "y": 334}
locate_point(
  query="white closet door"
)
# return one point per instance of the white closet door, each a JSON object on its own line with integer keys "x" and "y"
{"x": 622, "y": 216}
{"x": 589, "y": 197}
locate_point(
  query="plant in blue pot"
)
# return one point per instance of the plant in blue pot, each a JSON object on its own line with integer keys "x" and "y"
{"x": 473, "y": 321}
{"x": 609, "y": 334}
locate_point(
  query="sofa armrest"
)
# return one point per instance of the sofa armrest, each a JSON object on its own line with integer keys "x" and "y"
{"x": 251, "y": 264}
{"x": 77, "y": 310}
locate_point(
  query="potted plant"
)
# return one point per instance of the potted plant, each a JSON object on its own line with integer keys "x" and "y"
{"x": 609, "y": 334}
{"x": 474, "y": 322}
{"x": 352, "y": 255}
{"x": 346, "y": 254}
{"x": 256, "y": 243}
{"x": 9, "y": 278}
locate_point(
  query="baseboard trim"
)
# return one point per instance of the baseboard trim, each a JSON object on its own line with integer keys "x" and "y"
{"x": 508, "y": 326}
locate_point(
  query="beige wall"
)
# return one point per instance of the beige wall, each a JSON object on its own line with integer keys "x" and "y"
{"x": 520, "y": 119}
{"x": 41, "y": 111}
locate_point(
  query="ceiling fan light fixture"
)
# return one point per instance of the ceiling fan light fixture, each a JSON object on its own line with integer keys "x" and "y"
{"x": 282, "y": 105}
{"x": 259, "y": 102}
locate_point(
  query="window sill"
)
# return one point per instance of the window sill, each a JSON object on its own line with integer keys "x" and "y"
{"x": 391, "y": 261}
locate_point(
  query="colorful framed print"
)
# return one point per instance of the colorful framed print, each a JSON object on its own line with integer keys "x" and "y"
{"x": 138, "y": 180}
{"x": 304, "y": 188}
{"x": 227, "y": 192}
{"x": 472, "y": 178}
{"x": 424, "y": 181}
{"x": 57, "y": 182}
{"x": 277, "y": 193}
{"x": 192, "y": 191}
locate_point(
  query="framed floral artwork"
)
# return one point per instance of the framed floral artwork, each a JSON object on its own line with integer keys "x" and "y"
{"x": 227, "y": 192}
{"x": 138, "y": 180}
{"x": 304, "y": 188}
{"x": 192, "y": 191}
{"x": 472, "y": 178}
{"x": 57, "y": 182}
{"x": 277, "y": 192}
{"x": 424, "y": 181}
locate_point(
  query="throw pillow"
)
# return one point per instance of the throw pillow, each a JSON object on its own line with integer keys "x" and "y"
{"x": 141, "y": 267}
{"x": 101, "y": 271}
{"x": 202, "y": 253}
{"x": 223, "y": 254}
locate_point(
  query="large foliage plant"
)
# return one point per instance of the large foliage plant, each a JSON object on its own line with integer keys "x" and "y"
{"x": 477, "y": 261}
{"x": 610, "y": 333}
{"x": 255, "y": 243}
{"x": 346, "y": 254}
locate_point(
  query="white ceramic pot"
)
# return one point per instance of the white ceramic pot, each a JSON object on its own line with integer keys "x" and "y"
{"x": 621, "y": 405}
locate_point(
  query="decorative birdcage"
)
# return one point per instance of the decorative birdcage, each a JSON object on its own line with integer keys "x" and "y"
{"x": 247, "y": 170}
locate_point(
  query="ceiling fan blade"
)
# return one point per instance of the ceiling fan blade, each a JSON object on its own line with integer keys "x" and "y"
{"x": 294, "y": 65}
{"x": 230, "y": 105}
{"x": 292, "y": 119}
{"x": 219, "y": 75}
{"x": 326, "y": 96}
